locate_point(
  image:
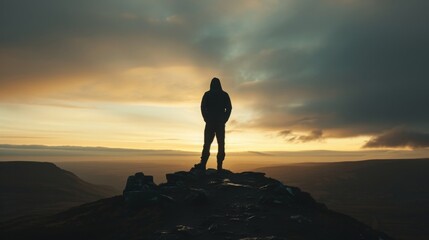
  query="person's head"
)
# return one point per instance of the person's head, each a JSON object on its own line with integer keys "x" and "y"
{"x": 215, "y": 85}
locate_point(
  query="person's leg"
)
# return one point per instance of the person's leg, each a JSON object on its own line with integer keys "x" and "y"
{"x": 220, "y": 137}
{"x": 209, "y": 134}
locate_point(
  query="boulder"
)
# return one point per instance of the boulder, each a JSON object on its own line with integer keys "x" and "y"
{"x": 139, "y": 182}
{"x": 140, "y": 189}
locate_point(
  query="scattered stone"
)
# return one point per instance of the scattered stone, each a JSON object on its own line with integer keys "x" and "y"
{"x": 185, "y": 230}
{"x": 300, "y": 219}
{"x": 197, "y": 196}
{"x": 166, "y": 199}
{"x": 235, "y": 219}
{"x": 231, "y": 184}
{"x": 263, "y": 238}
{"x": 165, "y": 235}
{"x": 214, "y": 182}
{"x": 213, "y": 228}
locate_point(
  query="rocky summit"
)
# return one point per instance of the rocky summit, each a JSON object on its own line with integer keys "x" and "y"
{"x": 199, "y": 204}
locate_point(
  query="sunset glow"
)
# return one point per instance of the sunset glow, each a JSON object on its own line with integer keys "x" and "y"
{"x": 131, "y": 75}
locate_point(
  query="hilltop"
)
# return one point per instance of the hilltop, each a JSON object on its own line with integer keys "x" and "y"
{"x": 197, "y": 205}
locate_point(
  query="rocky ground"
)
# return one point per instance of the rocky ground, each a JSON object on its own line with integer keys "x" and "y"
{"x": 199, "y": 205}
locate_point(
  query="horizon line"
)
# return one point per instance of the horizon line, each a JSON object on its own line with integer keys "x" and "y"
{"x": 80, "y": 147}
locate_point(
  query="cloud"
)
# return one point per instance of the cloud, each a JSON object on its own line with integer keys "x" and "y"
{"x": 314, "y": 135}
{"x": 156, "y": 85}
{"x": 285, "y": 133}
{"x": 42, "y": 150}
{"x": 399, "y": 138}
{"x": 82, "y": 48}
{"x": 348, "y": 68}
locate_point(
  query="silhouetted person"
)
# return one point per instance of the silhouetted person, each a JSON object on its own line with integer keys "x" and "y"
{"x": 216, "y": 108}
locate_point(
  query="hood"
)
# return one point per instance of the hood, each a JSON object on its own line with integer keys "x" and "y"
{"x": 215, "y": 85}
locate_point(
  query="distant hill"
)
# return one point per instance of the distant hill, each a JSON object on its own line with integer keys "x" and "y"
{"x": 39, "y": 188}
{"x": 391, "y": 195}
{"x": 200, "y": 206}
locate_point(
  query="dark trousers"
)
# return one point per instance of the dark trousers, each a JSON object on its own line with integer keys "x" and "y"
{"x": 211, "y": 130}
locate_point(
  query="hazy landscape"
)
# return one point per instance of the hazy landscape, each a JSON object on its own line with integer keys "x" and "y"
{"x": 287, "y": 211}
{"x": 388, "y": 195}
{"x": 111, "y": 166}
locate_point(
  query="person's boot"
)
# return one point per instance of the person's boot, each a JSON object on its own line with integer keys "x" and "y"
{"x": 200, "y": 166}
{"x": 219, "y": 166}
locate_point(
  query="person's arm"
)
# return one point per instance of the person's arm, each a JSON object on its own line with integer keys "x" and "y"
{"x": 204, "y": 111}
{"x": 228, "y": 108}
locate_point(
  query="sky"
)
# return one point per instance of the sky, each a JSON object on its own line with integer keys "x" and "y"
{"x": 340, "y": 75}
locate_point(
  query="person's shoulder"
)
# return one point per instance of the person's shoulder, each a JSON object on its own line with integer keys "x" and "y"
{"x": 225, "y": 94}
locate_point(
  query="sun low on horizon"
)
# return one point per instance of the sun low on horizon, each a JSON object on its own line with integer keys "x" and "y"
{"x": 302, "y": 75}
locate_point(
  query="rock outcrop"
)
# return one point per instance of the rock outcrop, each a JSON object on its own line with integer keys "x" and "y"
{"x": 247, "y": 205}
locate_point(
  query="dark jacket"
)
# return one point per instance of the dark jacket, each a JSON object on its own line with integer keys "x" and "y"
{"x": 216, "y": 105}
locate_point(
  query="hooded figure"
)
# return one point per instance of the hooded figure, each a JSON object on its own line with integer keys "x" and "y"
{"x": 216, "y": 108}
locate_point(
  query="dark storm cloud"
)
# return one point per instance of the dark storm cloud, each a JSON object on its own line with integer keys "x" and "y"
{"x": 349, "y": 70}
{"x": 399, "y": 138}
